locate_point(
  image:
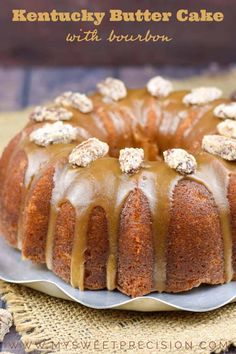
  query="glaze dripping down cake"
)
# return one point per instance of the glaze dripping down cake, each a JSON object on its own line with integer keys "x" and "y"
{"x": 126, "y": 189}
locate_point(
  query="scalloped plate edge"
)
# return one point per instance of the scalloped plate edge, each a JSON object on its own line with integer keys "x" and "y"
{"x": 141, "y": 304}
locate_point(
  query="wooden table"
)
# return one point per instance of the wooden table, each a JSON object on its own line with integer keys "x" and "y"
{"x": 20, "y": 88}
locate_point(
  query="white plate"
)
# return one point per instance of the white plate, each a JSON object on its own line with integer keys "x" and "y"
{"x": 205, "y": 298}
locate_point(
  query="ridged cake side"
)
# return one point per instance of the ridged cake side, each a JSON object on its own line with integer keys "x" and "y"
{"x": 232, "y": 203}
{"x": 12, "y": 192}
{"x": 194, "y": 248}
{"x": 36, "y": 217}
{"x": 135, "y": 246}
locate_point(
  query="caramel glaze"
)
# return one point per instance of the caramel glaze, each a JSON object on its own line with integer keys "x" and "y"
{"x": 139, "y": 120}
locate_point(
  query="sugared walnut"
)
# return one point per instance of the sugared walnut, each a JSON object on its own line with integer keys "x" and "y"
{"x": 225, "y": 111}
{"x": 112, "y": 88}
{"x": 202, "y": 95}
{"x": 5, "y": 323}
{"x": 75, "y": 100}
{"x": 87, "y": 152}
{"x": 131, "y": 160}
{"x": 180, "y": 160}
{"x": 220, "y": 146}
{"x": 57, "y": 133}
{"x": 227, "y": 128}
{"x": 41, "y": 114}
{"x": 159, "y": 87}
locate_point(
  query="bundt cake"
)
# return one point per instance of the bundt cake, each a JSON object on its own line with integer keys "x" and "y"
{"x": 129, "y": 189}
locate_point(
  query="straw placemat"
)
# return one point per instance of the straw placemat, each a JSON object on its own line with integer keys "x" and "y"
{"x": 53, "y": 325}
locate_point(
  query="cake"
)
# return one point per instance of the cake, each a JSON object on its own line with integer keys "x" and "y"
{"x": 128, "y": 189}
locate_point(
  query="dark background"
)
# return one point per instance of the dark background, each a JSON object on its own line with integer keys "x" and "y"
{"x": 44, "y": 43}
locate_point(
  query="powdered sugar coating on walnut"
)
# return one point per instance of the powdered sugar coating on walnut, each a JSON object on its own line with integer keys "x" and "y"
{"x": 87, "y": 152}
{"x": 42, "y": 113}
{"x": 159, "y": 87}
{"x": 5, "y": 323}
{"x": 131, "y": 160}
{"x": 180, "y": 160}
{"x": 112, "y": 88}
{"x": 75, "y": 100}
{"x": 226, "y": 111}
{"x": 202, "y": 95}
{"x": 227, "y": 128}
{"x": 220, "y": 145}
{"x": 57, "y": 133}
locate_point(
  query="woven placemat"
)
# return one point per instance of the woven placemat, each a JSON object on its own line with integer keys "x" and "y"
{"x": 52, "y": 325}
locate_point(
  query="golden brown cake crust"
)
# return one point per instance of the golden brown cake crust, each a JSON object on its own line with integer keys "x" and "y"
{"x": 12, "y": 194}
{"x": 36, "y": 217}
{"x": 97, "y": 250}
{"x": 4, "y": 164}
{"x": 194, "y": 248}
{"x": 232, "y": 203}
{"x": 6, "y": 157}
{"x": 63, "y": 240}
{"x": 135, "y": 246}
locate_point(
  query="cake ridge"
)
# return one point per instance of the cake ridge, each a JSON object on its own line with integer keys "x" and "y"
{"x": 215, "y": 177}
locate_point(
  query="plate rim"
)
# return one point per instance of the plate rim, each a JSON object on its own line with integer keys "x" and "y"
{"x": 104, "y": 307}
